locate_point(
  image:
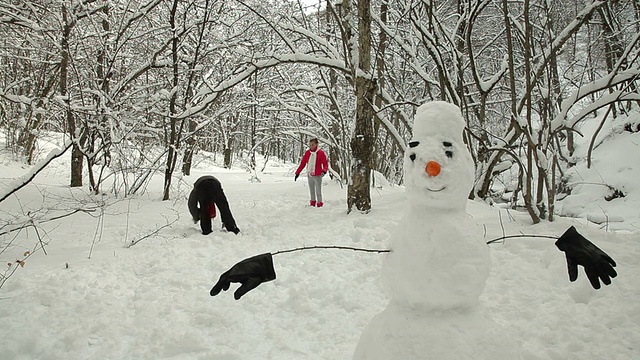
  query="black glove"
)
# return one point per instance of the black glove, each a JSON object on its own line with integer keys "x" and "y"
{"x": 580, "y": 251}
{"x": 324, "y": 173}
{"x": 249, "y": 272}
{"x": 296, "y": 177}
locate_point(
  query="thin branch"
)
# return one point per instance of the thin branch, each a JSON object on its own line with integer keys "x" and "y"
{"x": 86, "y": 211}
{"x": 502, "y": 238}
{"x": 331, "y": 247}
{"x": 39, "y": 238}
{"x": 155, "y": 232}
{"x": 595, "y": 135}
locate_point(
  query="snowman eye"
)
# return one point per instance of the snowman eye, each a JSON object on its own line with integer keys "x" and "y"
{"x": 413, "y": 144}
{"x": 412, "y": 157}
{"x": 448, "y": 152}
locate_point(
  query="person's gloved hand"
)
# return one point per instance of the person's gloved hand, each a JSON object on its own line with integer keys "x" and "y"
{"x": 249, "y": 272}
{"x": 296, "y": 177}
{"x": 324, "y": 173}
{"x": 580, "y": 251}
{"x": 195, "y": 219}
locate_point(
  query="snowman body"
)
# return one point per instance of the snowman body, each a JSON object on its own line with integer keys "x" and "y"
{"x": 438, "y": 264}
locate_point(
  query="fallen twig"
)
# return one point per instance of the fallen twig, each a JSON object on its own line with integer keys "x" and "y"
{"x": 154, "y": 232}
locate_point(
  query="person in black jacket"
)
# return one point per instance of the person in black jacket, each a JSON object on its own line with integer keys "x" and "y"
{"x": 207, "y": 193}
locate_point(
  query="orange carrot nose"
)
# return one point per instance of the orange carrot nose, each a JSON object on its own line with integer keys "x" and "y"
{"x": 433, "y": 168}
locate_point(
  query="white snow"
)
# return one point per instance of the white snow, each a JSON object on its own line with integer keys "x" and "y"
{"x": 151, "y": 301}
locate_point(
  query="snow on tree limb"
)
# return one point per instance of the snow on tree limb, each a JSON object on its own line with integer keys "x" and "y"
{"x": 18, "y": 99}
{"x": 394, "y": 132}
{"x": 286, "y": 40}
{"x": 211, "y": 95}
{"x": 407, "y": 48}
{"x": 588, "y": 89}
{"x": 487, "y": 85}
{"x": 330, "y": 49}
{"x": 605, "y": 100}
{"x": 559, "y": 41}
{"x": 25, "y": 179}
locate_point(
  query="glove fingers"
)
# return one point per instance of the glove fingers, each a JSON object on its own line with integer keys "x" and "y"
{"x": 222, "y": 284}
{"x": 606, "y": 273}
{"x": 573, "y": 269}
{"x": 603, "y": 273}
{"x": 247, "y": 286}
{"x": 593, "y": 277}
{"x": 219, "y": 286}
{"x": 610, "y": 260}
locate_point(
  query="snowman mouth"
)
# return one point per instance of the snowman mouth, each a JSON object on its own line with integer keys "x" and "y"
{"x": 436, "y": 190}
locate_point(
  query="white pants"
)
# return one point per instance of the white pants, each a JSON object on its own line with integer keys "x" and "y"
{"x": 315, "y": 188}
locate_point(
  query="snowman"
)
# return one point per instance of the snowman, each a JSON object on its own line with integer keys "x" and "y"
{"x": 438, "y": 265}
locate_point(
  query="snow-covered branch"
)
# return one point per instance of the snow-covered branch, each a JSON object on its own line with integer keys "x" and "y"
{"x": 601, "y": 84}
{"x": 210, "y": 95}
{"x": 25, "y": 179}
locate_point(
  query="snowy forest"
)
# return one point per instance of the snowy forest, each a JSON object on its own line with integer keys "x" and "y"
{"x": 112, "y": 112}
{"x": 140, "y": 86}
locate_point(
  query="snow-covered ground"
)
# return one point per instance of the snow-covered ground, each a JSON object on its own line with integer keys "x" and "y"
{"x": 151, "y": 300}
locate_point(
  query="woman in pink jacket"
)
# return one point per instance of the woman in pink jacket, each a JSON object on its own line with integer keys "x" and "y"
{"x": 317, "y": 165}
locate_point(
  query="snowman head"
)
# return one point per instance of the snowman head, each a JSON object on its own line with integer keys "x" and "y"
{"x": 438, "y": 169}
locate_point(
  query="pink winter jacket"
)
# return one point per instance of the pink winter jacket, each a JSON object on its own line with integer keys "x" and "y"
{"x": 321, "y": 164}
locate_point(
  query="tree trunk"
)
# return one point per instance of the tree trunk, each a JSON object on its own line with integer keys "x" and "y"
{"x": 99, "y": 134}
{"x": 228, "y": 153}
{"x": 172, "y": 153}
{"x": 531, "y": 155}
{"x": 105, "y": 77}
{"x": 254, "y": 119}
{"x": 334, "y": 149}
{"x": 380, "y": 148}
{"x": 227, "y": 158}
{"x": 187, "y": 158}
{"x": 358, "y": 194}
{"x": 74, "y": 133}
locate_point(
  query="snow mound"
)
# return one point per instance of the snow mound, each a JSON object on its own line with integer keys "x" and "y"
{"x": 607, "y": 192}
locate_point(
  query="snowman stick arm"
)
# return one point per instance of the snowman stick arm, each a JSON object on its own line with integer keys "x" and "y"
{"x": 502, "y": 238}
{"x": 331, "y": 247}
{"x": 259, "y": 269}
